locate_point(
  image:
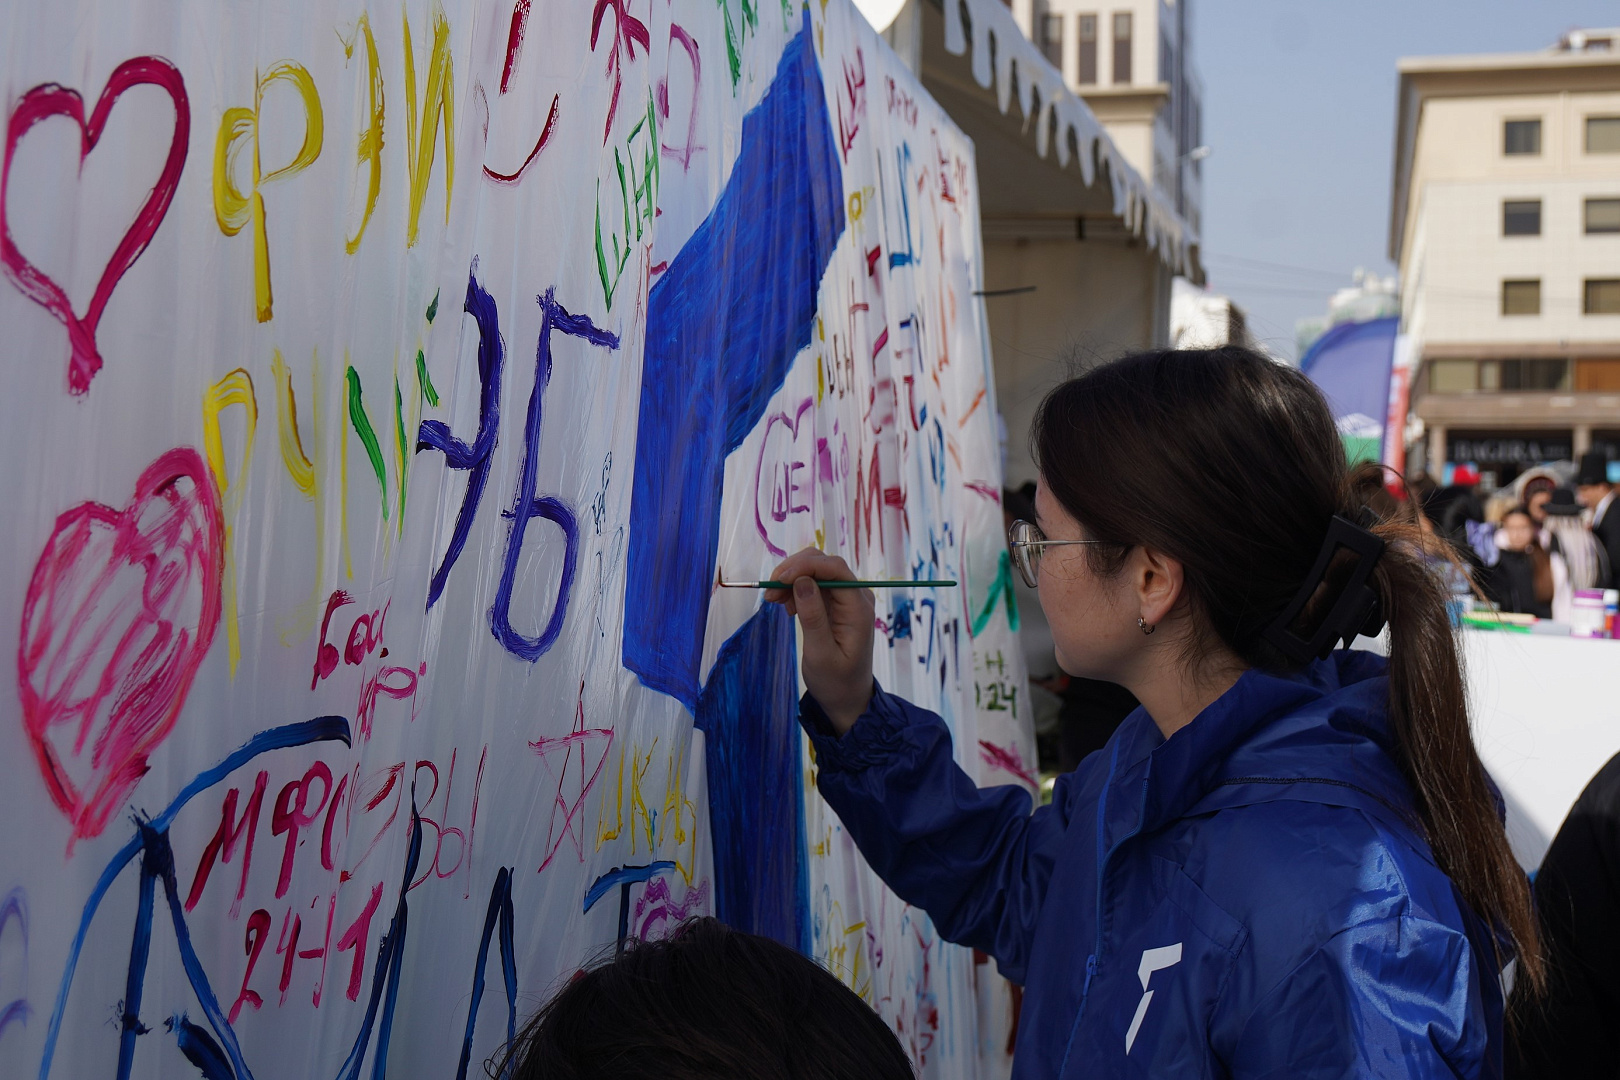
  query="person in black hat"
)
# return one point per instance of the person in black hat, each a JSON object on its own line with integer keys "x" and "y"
{"x": 1579, "y": 560}
{"x": 1597, "y": 495}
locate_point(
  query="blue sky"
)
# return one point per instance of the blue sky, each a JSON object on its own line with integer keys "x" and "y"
{"x": 1299, "y": 108}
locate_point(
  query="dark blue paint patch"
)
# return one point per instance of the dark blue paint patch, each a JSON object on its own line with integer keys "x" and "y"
{"x": 200, "y": 1049}
{"x": 723, "y": 325}
{"x": 900, "y": 621}
{"x": 747, "y": 714}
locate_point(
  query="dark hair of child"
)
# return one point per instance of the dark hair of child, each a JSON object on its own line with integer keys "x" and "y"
{"x": 704, "y": 1003}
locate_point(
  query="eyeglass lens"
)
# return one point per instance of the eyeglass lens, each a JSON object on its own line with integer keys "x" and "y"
{"x": 1024, "y": 535}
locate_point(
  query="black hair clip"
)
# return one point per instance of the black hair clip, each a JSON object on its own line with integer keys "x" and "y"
{"x": 1357, "y": 611}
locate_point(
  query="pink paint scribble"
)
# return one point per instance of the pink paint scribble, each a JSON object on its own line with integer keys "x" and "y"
{"x": 627, "y": 30}
{"x": 658, "y": 908}
{"x": 778, "y": 489}
{"x": 514, "y": 41}
{"x": 683, "y": 154}
{"x": 48, "y": 100}
{"x": 1007, "y": 759}
{"x": 539, "y": 145}
{"x": 576, "y": 775}
{"x": 119, "y": 614}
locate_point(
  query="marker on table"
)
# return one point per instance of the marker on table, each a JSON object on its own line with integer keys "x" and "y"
{"x": 840, "y": 584}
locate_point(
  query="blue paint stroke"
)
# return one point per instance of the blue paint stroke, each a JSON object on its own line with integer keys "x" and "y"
{"x": 898, "y": 258}
{"x": 200, "y": 1049}
{"x": 475, "y": 458}
{"x": 723, "y": 325}
{"x": 527, "y": 505}
{"x": 500, "y": 910}
{"x": 900, "y": 621}
{"x": 385, "y": 977}
{"x": 321, "y": 729}
{"x": 140, "y": 948}
{"x": 14, "y": 908}
{"x": 623, "y": 877}
{"x": 747, "y": 714}
{"x": 160, "y": 856}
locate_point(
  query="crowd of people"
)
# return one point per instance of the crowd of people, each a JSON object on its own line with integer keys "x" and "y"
{"x": 1530, "y": 548}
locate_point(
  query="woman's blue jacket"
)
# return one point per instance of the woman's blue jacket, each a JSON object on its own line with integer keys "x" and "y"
{"x": 1249, "y": 898}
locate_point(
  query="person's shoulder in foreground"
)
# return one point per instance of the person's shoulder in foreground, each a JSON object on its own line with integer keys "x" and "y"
{"x": 705, "y": 1003}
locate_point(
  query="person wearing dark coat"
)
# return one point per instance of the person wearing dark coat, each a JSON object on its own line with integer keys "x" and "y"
{"x": 1522, "y": 579}
{"x": 1572, "y": 1030}
{"x": 1596, "y": 493}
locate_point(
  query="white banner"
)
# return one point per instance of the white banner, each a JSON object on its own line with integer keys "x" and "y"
{"x": 389, "y": 390}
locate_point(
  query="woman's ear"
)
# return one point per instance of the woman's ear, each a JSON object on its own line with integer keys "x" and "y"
{"x": 1159, "y": 581}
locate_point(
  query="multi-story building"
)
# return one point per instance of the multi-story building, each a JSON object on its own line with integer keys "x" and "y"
{"x": 1132, "y": 62}
{"x": 1505, "y": 220}
{"x": 1080, "y": 244}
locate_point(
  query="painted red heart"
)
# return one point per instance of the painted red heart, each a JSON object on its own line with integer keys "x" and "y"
{"x": 47, "y": 100}
{"x": 120, "y": 611}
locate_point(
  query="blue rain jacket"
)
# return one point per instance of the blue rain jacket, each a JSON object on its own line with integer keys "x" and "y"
{"x": 1250, "y": 898}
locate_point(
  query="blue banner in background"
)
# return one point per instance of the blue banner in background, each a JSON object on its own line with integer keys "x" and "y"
{"x": 1351, "y": 363}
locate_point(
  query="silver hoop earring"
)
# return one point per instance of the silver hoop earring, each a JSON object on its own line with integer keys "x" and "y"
{"x": 1143, "y": 624}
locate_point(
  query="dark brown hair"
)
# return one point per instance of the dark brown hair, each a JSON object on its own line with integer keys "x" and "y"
{"x": 705, "y": 1003}
{"x": 1231, "y": 464}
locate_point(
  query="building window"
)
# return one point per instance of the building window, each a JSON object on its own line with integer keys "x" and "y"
{"x": 1088, "y": 50}
{"x": 1535, "y": 374}
{"x": 1521, "y": 217}
{"x": 1601, "y": 374}
{"x": 1602, "y": 296}
{"x": 1453, "y": 376}
{"x": 1603, "y": 134}
{"x": 1052, "y": 39}
{"x": 1603, "y": 215}
{"x": 1521, "y": 137}
{"x": 1521, "y": 297}
{"x": 1122, "y": 47}
{"x": 1167, "y": 59}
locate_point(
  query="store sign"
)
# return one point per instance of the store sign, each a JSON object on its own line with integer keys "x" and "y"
{"x": 1521, "y": 450}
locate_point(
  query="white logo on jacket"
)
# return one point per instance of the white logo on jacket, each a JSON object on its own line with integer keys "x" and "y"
{"x": 1152, "y": 960}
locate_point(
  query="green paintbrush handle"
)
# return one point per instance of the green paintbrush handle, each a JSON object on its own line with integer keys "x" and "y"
{"x": 861, "y": 584}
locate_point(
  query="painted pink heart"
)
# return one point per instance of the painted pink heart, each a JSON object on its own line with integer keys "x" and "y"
{"x": 120, "y": 611}
{"x": 45, "y": 101}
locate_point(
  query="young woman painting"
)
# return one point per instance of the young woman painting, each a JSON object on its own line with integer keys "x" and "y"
{"x": 1289, "y": 861}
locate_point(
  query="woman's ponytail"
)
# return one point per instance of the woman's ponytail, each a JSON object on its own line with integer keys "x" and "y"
{"x": 1434, "y": 746}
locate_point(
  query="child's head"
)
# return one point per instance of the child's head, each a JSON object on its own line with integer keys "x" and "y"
{"x": 704, "y": 1003}
{"x": 1518, "y": 529}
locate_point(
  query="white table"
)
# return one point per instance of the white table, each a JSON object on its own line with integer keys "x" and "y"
{"x": 1546, "y": 718}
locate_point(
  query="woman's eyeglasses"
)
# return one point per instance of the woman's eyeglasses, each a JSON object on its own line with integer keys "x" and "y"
{"x": 1026, "y": 541}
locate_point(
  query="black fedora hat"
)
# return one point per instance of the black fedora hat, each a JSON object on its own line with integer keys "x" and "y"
{"x": 1594, "y": 469}
{"x": 1563, "y": 503}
